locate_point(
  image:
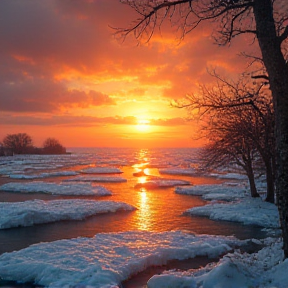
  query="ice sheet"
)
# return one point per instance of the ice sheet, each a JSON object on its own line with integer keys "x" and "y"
{"x": 28, "y": 213}
{"x": 55, "y": 188}
{"x": 106, "y": 259}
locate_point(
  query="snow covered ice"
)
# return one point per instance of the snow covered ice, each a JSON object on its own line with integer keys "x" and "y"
{"x": 178, "y": 171}
{"x": 28, "y": 213}
{"x": 106, "y": 259}
{"x": 214, "y": 191}
{"x": 106, "y": 179}
{"x": 55, "y": 188}
{"x": 43, "y": 175}
{"x": 264, "y": 269}
{"x": 101, "y": 170}
{"x": 161, "y": 183}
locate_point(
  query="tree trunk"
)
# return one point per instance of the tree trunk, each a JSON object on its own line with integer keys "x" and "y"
{"x": 277, "y": 69}
{"x": 251, "y": 178}
{"x": 270, "y": 183}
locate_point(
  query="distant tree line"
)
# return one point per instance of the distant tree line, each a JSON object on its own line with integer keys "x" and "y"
{"x": 22, "y": 143}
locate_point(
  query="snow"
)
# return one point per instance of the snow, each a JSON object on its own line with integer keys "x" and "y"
{"x": 230, "y": 176}
{"x": 178, "y": 171}
{"x": 214, "y": 191}
{"x": 106, "y": 259}
{"x": 248, "y": 211}
{"x": 43, "y": 175}
{"x": 54, "y": 188}
{"x": 101, "y": 170}
{"x": 98, "y": 179}
{"x": 265, "y": 269}
{"x": 161, "y": 183}
{"x": 28, "y": 213}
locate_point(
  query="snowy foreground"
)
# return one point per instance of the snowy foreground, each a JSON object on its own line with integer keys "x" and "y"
{"x": 28, "y": 213}
{"x": 106, "y": 259}
{"x": 55, "y": 188}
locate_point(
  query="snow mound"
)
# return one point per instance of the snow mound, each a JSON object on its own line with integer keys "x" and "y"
{"x": 265, "y": 269}
{"x": 214, "y": 191}
{"x": 106, "y": 259}
{"x": 161, "y": 183}
{"x": 28, "y": 213}
{"x": 54, "y": 188}
{"x": 43, "y": 175}
{"x": 247, "y": 211}
{"x": 101, "y": 170}
{"x": 178, "y": 171}
{"x": 106, "y": 179}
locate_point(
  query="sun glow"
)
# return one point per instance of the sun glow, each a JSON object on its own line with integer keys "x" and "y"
{"x": 143, "y": 125}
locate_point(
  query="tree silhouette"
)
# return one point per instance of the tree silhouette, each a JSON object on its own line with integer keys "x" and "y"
{"x": 18, "y": 143}
{"x": 53, "y": 146}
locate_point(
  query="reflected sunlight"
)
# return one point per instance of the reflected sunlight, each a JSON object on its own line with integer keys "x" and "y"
{"x": 144, "y": 211}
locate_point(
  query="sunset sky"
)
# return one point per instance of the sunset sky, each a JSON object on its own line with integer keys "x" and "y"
{"x": 64, "y": 75}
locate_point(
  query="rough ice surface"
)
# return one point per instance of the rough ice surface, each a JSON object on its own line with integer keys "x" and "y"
{"x": 54, "y": 188}
{"x": 248, "y": 211}
{"x": 265, "y": 269}
{"x": 101, "y": 170}
{"x": 230, "y": 176}
{"x": 178, "y": 171}
{"x": 28, "y": 213}
{"x": 161, "y": 183}
{"x": 104, "y": 179}
{"x": 43, "y": 175}
{"x": 214, "y": 191}
{"x": 106, "y": 259}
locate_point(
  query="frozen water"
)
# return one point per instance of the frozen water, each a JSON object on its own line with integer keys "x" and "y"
{"x": 106, "y": 259}
{"x": 161, "y": 183}
{"x": 248, "y": 211}
{"x": 43, "y": 175}
{"x": 265, "y": 269}
{"x": 54, "y": 188}
{"x": 28, "y": 213}
{"x": 178, "y": 171}
{"x": 214, "y": 191}
{"x": 101, "y": 170}
{"x": 98, "y": 179}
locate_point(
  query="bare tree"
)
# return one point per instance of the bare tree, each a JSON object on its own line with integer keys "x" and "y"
{"x": 266, "y": 20}
{"x": 18, "y": 143}
{"x": 53, "y": 146}
{"x": 243, "y": 110}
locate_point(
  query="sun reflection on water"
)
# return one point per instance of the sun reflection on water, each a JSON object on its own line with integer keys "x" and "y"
{"x": 144, "y": 211}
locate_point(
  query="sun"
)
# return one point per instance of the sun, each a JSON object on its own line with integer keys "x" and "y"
{"x": 143, "y": 125}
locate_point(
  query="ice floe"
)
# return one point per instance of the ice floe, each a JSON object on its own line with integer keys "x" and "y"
{"x": 106, "y": 259}
{"x": 214, "y": 191}
{"x": 265, "y": 269}
{"x": 101, "y": 170}
{"x": 179, "y": 171}
{"x": 43, "y": 175}
{"x": 161, "y": 183}
{"x": 28, "y": 213}
{"x": 236, "y": 176}
{"x": 98, "y": 179}
{"x": 248, "y": 211}
{"x": 55, "y": 188}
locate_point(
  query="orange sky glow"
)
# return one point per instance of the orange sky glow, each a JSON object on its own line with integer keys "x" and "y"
{"x": 64, "y": 75}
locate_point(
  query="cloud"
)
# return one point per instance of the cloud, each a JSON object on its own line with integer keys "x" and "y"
{"x": 69, "y": 120}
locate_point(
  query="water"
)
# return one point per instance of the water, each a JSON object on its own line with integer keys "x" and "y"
{"x": 157, "y": 209}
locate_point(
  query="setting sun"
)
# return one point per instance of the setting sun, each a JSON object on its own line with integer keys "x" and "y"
{"x": 143, "y": 126}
